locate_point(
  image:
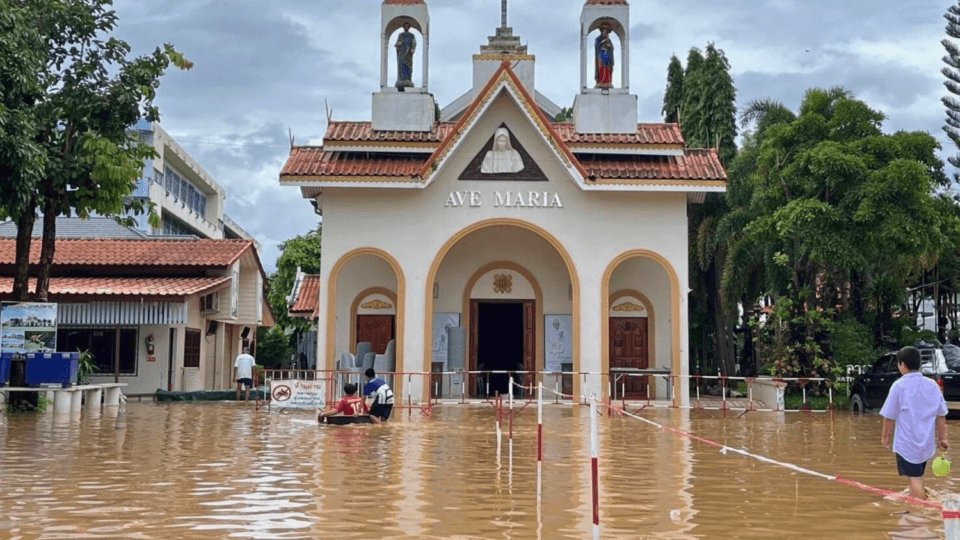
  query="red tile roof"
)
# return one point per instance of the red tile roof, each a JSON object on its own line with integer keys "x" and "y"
{"x": 140, "y": 253}
{"x": 646, "y": 134}
{"x": 363, "y": 132}
{"x": 314, "y": 161}
{"x": 308, "y": 296}
{"x": 696, "y": 164}
{"x": 118, "y": 287}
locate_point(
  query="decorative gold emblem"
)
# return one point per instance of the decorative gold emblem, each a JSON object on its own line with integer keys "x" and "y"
{"x": 376, "y": 303}
{"x": 503, "y": 283}
{"x": 629, "y": 306}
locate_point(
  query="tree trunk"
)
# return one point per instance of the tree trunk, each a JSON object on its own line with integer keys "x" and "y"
{"x": 21, "y": 280}
{"x": 48, "y": 246}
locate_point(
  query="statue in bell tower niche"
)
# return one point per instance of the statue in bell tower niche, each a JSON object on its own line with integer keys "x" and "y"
{"x": 603, "y": 48}
{"x": 406, "y": 45}
{"x": 502, "y": 158}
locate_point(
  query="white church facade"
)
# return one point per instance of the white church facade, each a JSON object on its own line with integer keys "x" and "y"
{"x": 554, "y": 245}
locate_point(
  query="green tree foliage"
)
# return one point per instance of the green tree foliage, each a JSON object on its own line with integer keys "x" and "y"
{"x": 673, "y": 95}
{"x": 77, "y": 93}
{"x": 301, "y": 252}
{"x": 833, "y": 217}
{"x": 702, "y": 98}
{"x": 952, "y": 74}
{"x": 273, "y": 348}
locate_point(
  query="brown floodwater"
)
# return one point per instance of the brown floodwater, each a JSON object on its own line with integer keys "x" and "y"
{"x": 217, "y": 470}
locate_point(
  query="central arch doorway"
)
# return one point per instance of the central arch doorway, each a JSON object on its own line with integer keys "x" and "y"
{"x": 502, "y": 342}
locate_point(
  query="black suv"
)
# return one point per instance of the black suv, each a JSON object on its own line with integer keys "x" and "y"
{"x": 869, "y": 390}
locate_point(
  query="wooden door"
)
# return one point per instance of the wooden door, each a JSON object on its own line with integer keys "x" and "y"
{"x": 377, "y": 329}
{"x": 529, "y": 337}
{"x": 628, "y": 349}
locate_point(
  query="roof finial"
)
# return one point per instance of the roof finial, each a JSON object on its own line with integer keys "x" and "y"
{"x": 503, "y": 13}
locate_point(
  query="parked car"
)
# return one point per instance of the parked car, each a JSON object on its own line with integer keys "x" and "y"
{"x": 869, "y": 390}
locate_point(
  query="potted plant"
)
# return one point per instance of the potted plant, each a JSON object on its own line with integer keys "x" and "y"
{"x": 86, "y": 366}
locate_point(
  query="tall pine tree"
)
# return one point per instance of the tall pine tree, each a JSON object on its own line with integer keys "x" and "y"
{"x": 952, "y": 73}
{"x": 707, "y": 117}
{"x": 673, "y": 96}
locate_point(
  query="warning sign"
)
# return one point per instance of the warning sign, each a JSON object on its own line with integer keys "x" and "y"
{"x": 293, "y": 394}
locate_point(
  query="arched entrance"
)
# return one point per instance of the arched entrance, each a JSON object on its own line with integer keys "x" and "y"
{"x": 365, "y": 273}
{"x": 641, "y": 326}
{"x": 511, "y": 268}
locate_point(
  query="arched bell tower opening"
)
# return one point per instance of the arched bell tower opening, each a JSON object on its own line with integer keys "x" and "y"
{"x": 605, "y": 104}
{"x": 404, "y": 102}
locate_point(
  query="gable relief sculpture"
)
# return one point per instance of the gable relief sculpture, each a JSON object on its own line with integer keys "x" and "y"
{"x": 503, "y": 157}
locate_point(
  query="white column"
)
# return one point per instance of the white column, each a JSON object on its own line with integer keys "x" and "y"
{"x": 682, "y": 388}
{"x": 414, "y": 331}
{"x": 590, "y": 338}
{"x": 111, "y": 396}
{"x": 951, "y": 523}
{"x": 62, "y": 402}
{"x": 383, "y": 59}
{"x": 93, "y": 399}
{"x": 426, "y": 61}
{"x": 76, "y": 401}
{"x": 625, "y": 58}
{"x": 584, "y": 39}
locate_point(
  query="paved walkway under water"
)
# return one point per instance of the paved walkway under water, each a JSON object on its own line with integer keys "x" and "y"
{"x": 214, "y": 470}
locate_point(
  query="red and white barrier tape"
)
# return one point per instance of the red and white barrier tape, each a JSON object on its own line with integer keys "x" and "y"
{"x": 724, "y": 449}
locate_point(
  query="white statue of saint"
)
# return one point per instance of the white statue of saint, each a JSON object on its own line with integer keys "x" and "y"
{"x": 502, "y": 158}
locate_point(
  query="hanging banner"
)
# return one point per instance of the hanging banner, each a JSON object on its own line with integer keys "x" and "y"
{"x": 294, "y": 394}
{"x": 27, "y": 327}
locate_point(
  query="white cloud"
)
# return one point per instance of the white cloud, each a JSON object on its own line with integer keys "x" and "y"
{"x": 262, "y": 68}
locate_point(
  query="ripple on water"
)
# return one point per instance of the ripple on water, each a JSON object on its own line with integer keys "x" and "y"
{"x": 214, "y": 470}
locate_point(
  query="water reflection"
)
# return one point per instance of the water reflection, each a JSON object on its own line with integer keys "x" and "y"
{"x": 225, "y": 470}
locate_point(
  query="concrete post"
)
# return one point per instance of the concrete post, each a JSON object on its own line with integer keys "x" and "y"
{"x": 951, "y": 517}
{"x": 76, "y": 401}
{"x": 61, "y": 402}
{"x": 3, "y": 401}
{"x": 93, "y": 399}
{"x": 111, "y": 397}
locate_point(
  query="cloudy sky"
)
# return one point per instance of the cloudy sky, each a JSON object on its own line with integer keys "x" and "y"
{"x": 264, "y": 67}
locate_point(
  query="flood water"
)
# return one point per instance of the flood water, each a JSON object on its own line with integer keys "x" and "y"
{"x": 216, "y": 470}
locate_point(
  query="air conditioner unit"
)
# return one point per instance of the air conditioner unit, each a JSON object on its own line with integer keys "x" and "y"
{"x": 210, "y": 303}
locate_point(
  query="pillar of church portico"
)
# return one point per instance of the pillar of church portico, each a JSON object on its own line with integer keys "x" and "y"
{"x": 593, "y": 384}
{"x": 412, "y": 336}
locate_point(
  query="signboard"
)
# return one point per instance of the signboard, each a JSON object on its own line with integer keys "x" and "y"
{"x": 558, "y": 344}
{"x": 294, "y": 394}
{"x": 27, "y": 327}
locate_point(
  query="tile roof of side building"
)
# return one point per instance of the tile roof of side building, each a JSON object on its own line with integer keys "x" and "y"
{"x": 143, "y": 252}
{"x": 308, "y": 296}
{"x": 74, "y": 227}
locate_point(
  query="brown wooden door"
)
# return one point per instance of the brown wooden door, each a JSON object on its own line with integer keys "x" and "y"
{"x": 628, "y": 349}
{"x": 529, "y": 338}
{"x": 377, "y": 329}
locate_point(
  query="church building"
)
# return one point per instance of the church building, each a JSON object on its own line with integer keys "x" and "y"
{"x": 500, "y": 233}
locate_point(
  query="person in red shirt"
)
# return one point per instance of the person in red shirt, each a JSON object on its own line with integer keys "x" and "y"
{"x": 350, "y": 405}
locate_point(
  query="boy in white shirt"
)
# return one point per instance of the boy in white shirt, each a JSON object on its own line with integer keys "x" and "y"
{"x": 915, "y": 405}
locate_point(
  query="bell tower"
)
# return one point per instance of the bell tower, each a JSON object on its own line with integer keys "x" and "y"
{"x": 404, "y": 103}
{"x": 605, "y": 104}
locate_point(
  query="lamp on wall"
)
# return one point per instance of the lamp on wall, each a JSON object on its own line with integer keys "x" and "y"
{"x": 149, "y": 343}
{"x": 436, "y": 290}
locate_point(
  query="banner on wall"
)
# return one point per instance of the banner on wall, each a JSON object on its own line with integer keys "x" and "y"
{"x": 27, "y": 327}
{"x": 558, "y": 341}
{"x": 295, "y": 394}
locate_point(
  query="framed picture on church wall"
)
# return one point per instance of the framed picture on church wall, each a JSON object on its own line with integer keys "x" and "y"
{"x": 558, "y": 341}
{"x": 439, "y": 344}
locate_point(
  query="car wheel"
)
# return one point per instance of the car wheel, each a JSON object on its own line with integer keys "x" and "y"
{"x": 856, "y": 404}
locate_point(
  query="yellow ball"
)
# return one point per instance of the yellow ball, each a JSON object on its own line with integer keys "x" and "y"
{"x": 940, "y": 466}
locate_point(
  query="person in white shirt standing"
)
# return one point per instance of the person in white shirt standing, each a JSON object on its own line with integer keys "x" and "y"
{"x": 915, "y": 405}
{"x": 243, "y": 371}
